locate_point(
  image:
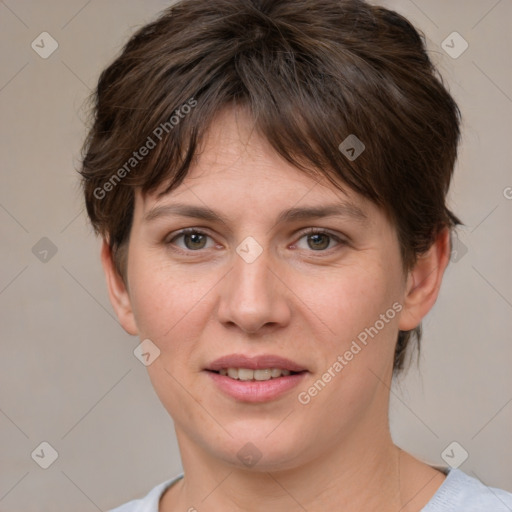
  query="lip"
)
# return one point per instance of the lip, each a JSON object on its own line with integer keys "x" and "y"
{"x": 255, "y": 391}
{"x": 254, "y": 363}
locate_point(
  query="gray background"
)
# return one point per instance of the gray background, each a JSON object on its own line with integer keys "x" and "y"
{"x": 68, "y": 373}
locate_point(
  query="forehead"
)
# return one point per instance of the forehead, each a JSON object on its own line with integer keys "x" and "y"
{"x": 233, "y": 149}
{"x": 235, "y": 169}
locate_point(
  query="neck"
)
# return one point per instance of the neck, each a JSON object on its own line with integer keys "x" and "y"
{"x": 362, "y": 473}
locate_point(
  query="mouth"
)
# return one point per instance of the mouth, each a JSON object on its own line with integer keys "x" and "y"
{"x": 248, "y": 374}
{"x": 255, "y": 379}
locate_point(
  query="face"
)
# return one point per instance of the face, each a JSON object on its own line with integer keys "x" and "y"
{"x": 261, "y": 277}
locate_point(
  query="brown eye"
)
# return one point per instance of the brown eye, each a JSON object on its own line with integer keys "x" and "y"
{"x": 193, "y": 240}
{"x": 318, "y": 241}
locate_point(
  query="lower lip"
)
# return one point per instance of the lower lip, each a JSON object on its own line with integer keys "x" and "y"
{"x": 254, "y": 390}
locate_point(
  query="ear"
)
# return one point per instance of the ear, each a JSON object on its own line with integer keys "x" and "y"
{"x": 424, "y": 282}
{"x": 118, "y": 292}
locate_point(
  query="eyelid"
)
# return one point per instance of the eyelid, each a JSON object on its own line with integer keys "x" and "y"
{"x": 185, "y": 231}
{"x": 322, "y": 231}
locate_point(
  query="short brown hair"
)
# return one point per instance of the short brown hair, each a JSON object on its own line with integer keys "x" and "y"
{"x": 311, "y": 73}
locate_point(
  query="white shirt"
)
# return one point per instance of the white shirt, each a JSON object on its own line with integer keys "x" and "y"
{"x": 458, "y": 493}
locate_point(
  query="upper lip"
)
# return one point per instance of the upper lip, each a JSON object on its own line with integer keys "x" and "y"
{"x": 254, "y": 362}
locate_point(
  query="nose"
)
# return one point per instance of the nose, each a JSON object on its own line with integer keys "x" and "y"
{"x": 253, "y": 296}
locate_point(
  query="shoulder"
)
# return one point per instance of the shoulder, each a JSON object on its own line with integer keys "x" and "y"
{"x": 148, "y": 503}
{"x": 460, "y": 491}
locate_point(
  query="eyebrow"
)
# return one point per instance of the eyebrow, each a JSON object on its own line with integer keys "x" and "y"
{"x": 343, "y": 209}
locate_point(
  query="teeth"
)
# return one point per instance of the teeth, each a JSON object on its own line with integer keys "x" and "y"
{"x": 248, "y": 374}
{"x": 243, "y": 373}
{"x": 265, "y": 374}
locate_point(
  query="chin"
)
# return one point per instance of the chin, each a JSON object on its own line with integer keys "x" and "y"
{"x": 259, "y": 450}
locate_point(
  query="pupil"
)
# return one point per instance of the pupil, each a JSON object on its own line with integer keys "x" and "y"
{"x": 321, "y": 246}
{"x": 196, "y": 239}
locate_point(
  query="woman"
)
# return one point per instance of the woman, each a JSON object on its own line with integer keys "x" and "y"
{"x": 269, "y": 179}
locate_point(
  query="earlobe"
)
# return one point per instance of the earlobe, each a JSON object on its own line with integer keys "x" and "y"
{"x": 424, "y": 282}
{"x": 117, "y": 290}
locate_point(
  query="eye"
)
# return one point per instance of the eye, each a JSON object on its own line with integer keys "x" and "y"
{"x": 319, "y": 240}
{"x": 193, "y": 240}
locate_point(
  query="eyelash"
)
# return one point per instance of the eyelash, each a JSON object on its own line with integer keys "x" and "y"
{"x": 309, "y": 231}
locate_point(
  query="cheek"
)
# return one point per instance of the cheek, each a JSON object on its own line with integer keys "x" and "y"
{"x": 164, "y": 297}
{"x": 361, "y": 307}
{"x": 355, "y": 298}
{"x": 151, "y": 301}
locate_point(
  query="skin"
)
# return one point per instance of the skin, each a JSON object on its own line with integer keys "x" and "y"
{"x": 305, "y": 298}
